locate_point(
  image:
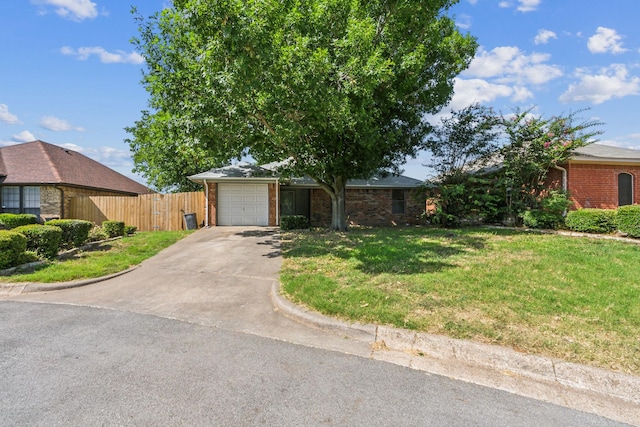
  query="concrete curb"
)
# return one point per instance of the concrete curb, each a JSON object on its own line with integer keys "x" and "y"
{"x": 429, "y": 352}
{"x": 44, "y": 287}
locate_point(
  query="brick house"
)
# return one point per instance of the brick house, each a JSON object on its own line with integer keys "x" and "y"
{"x": 600, "y": 176}
{"x": 247, "y": 194}
{"x": 41, "y": 178}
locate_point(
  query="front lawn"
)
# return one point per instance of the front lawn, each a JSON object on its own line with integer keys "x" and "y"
{"x": 577, "y": 299}
{"x": 106, "y": 258}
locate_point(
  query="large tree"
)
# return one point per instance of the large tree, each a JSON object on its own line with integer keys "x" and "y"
{"x": 339, "y": 88}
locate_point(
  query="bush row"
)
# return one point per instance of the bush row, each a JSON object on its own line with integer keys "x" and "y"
{"x": 26, "y": 241}
{"x": 626, "y": 219}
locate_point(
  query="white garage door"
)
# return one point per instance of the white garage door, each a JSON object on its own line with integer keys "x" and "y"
{"x": 243, "y": 204}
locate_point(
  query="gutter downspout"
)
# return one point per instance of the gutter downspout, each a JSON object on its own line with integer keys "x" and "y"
{"x": 564, "y": 182}
{"x": 206, "y": 205}
{"x": 277, "y": 201}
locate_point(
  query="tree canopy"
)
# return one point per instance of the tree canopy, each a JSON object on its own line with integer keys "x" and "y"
{"x": 338, "y": 88}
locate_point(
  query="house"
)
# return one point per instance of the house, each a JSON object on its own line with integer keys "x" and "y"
{"x": 600, "y": 176}
{"x": 248, "y": 194}
{"x": 40, "y": 178}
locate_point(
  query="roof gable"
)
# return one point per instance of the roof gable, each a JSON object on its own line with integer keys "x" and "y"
{"x": 606, "y": 153}
{"x": 39, "y": 162}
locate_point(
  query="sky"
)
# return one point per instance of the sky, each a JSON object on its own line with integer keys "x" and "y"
{"x": 69, "y": 74}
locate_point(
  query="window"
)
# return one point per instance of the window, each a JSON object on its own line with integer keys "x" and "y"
{"x": 20, "y": 200}
{"x": 625, "y": 189}
{"x": 397, "y": 201}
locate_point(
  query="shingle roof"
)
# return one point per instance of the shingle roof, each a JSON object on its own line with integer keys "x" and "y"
{"x": 39, "y": 162}
{"x": 249, "y": 170}
{"x": 605, "y": 153}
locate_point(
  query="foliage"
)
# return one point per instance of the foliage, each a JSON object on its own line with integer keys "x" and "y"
{"x": 130, "y": 229}
{"x": 536, "y": 145}
{"x": 294, "y": 222}
{"x": 550, "y": 215}
{"x": 97, "y": 234}
{"x": 113, "y": 228}
{"x": 337, "y": 89}
{"x": 465, "y": 139}
{"x": 43, "y": 239}
{"x": 12, "y": 246}
{"x": 472, "y": 199}
{"x": 628, "y": 220}
{"x": 74, "y": 231}
{"x": 591, "y": 220}
{"x": 10, "y": 220}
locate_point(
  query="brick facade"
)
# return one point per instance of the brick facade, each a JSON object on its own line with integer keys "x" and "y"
{"x": 212, "y": 189}
{"x": 595, "y": 185}
{"x": 273, "y": 204}
{"x": 366, "y": 207}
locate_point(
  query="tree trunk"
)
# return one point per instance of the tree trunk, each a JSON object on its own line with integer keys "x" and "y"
{"x": 338, "y": 209}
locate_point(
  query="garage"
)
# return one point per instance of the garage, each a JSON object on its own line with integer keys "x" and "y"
{"x": 243, "y": 204}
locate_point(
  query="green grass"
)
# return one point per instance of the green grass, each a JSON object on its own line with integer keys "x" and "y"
{"x": 107, "y": 258}
{"x": 573, "y": 298}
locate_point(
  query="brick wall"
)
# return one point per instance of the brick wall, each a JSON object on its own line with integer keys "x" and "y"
{"x": 273, "y": 207}
{"x": 596, "y": 186}
{"x": 366, "y": 207}
{"x": 212, "y": 188}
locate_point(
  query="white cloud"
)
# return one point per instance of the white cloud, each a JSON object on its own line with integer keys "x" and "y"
{"x": 24, "y": 136}
{"x": 6, "y": 116}
{"x": 504, "y": 4}
{"x": 56, "y": 124}
{"x": 469, "y": 91}
{"x": 606, "y": 40}
{"x": 544, "y": 36}
{"x": 76, "y": 10}
{"x": 611, "y": 82}
{"x": 528, "y": 5}
{"x": 508, "y": 64}
{"x": 463, "y": 21}
{"x": 119, "y": 56}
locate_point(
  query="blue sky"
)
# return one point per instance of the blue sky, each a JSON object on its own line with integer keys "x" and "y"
{"x": 70, "y": 76}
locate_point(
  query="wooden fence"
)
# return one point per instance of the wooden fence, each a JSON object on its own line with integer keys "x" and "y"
{"x": 148, "y": 212}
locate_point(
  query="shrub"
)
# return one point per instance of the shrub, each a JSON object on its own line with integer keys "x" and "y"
{"x": 97, "y": 234}
{"x": 10, "y": 220}
{"x": 591, "y": 220}
{"x": 294, "y": 222}
{"x": 74, "y": 231}
{"x": 628, "y": 220}
{"x": 12, "y": 246}
{"x": 29, "y": 256}
{"x": 43, "y": 239}
{"x": 113, "y": 228}
{"x": 537, "y": 218}
{"x": 130, "y": 229}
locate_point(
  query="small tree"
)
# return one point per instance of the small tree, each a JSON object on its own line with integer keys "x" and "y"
{"x": 536, "y": 145}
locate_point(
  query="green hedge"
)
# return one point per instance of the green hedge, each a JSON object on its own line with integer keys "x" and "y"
{"x": 12, "y": 246}
{"x": 43, "y": 239}
{"x": 113, "y": 228}
{"x": 74, "y": 231}
{"x": 10, "y": 220}
{"x": 541, "y": 219}
{"x": 628, "y": 220}
{"x": 591, "y": 220}
{"x": 294, "y": 222}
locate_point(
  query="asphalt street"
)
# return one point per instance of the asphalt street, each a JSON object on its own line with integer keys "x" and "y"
{"x": 74, "y": 365}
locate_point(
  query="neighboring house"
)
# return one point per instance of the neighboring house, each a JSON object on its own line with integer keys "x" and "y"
{"x": 40, "y": 178}
{"x": 600, "y": 176}
{"x": 247, "y": 194}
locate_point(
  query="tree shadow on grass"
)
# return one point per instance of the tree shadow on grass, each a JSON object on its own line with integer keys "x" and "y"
{"x": 395, "y": 251}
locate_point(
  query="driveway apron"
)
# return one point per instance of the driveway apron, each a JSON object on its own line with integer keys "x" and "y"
{"x": 219, "y": 276}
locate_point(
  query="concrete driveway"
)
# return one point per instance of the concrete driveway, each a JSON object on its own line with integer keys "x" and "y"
{"x": 219, "y": 276}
